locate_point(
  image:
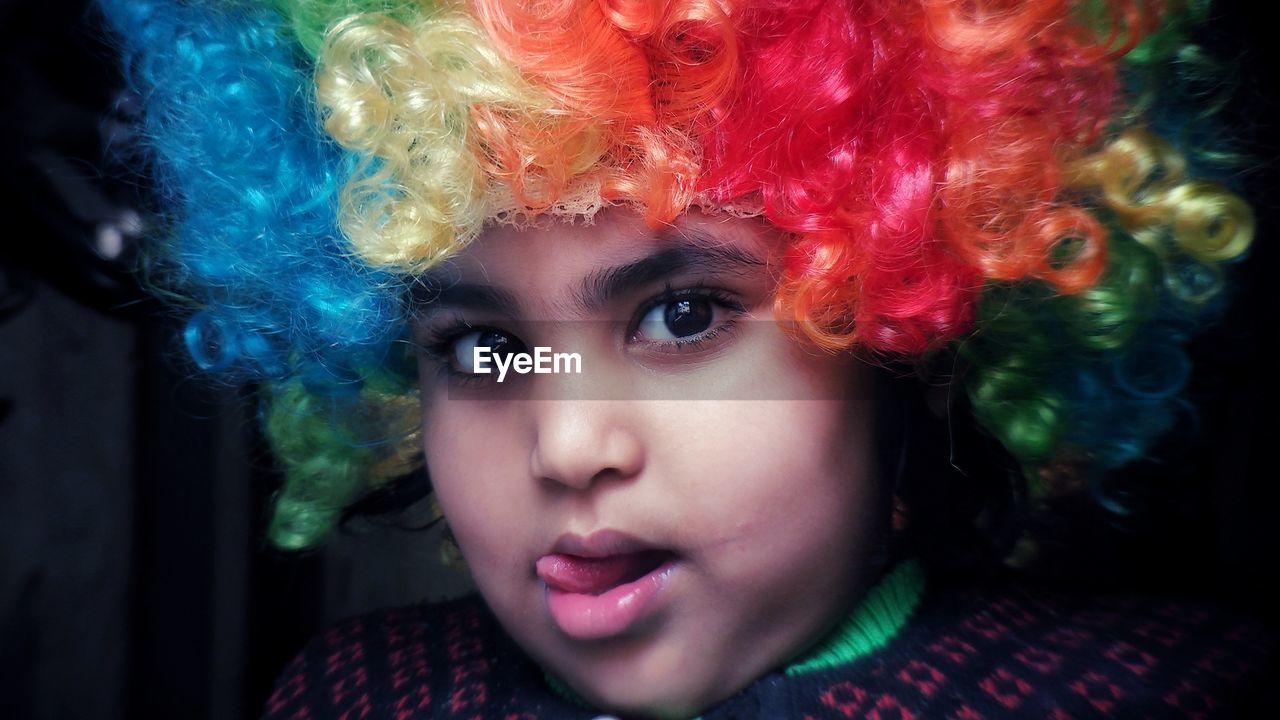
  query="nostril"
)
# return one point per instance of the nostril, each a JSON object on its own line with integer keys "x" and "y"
{"x": 580, "y": 443}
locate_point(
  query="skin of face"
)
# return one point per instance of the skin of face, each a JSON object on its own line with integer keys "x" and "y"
{"x": 746, "y": 454}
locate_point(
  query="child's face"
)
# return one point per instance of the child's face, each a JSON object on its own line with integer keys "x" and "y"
{"x": 678, "y": 519}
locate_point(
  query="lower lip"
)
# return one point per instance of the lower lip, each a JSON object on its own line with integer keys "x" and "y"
{"x": 593, "y": 617}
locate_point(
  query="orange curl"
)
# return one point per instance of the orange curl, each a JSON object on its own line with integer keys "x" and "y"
{"x": 693, "y": 53}
{"x": 1075, "y": 231}
{"x": 638, "y": 18}
{"x": 570, "y": 49}
{"x": 536, "y": 162}
{"x": 666, "y": 182}
{"x": 630, "y": 79}
{"x": 978, "y": 29}
{"x": 998, "y": 184}
{"x": 821, "y": 286}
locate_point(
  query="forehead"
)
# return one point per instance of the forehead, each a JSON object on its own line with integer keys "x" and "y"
{"x": 557, "y": 261}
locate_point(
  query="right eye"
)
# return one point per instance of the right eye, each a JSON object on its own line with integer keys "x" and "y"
{"x": 462, "y": 351}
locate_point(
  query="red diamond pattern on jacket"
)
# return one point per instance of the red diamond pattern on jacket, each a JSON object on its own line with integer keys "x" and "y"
{"x": 1098, "y": 690}
{"x": 288, "y": 691}
{"x": 953, "y": 648}
{"x": 1192, "y": 700}
{"x": 1162, "y": 633}
{"x": 1008, "y": 689}
{"x": 923, "y": 676}
{"x": 1228, "y": 666}
{"x": 1069, "y": 638}
{"x": 845, "y": 697}
{"x": 407, "y": 706}
{"x": 981, "y": 656}
{"x": 986, "y": 625}
{"x": 1136, "y": 661}
{"x": 1037, "y": 658}
{"x": 889, "y": 707}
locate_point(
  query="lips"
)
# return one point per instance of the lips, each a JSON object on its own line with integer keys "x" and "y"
{"x": 603, "y": 585}
{"x": 596, "y": 575}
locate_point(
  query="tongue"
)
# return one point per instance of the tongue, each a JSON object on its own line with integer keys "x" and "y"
{"x": 574, "y": 574}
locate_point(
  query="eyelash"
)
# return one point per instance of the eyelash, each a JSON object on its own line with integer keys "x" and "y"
{"x": 699, "y": 292}
{"x": 439, "y": 347}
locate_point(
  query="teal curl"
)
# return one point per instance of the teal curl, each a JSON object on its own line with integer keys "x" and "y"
{"x": 1101, "y": 373}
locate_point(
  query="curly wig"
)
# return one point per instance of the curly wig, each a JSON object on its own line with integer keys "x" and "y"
{"x": 982, "y": 176}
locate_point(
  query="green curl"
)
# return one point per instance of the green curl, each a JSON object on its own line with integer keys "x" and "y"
{"x": 322, "y": 468}
{"x": 1010, "y": 359}
{"x": 311, "y": 19}
{"x": 1105, "y": 316}
{"x": 1158, "y": 46}
{"x": 327, "y": 464}
{"x": 1031, "y": 345}
{"x": 1162, "y": 45}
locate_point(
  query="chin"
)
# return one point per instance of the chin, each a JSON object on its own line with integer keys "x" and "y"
{"x": 641, "y": 705}
{"x": 670, "y": 696}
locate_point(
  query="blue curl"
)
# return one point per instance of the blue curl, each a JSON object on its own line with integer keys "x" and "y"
{"x": 252, "y": 185}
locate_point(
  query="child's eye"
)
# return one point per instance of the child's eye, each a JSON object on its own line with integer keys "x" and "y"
{"x": 453, "y": 349}
{"x": 683, "y": 318}
{"x": 677, "y": 319}
{"x": 500, "y": 344}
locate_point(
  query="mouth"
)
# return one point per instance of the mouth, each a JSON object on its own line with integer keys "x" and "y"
{"x": 598, "y": 575}
{"x": 603, "y": 586}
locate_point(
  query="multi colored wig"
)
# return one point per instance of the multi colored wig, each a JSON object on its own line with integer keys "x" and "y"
{"x": 977, "y": 176}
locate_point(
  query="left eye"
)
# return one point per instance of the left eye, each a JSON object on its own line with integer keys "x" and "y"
{"x": 678, "y": 319}
{"x": 498, "y": 342}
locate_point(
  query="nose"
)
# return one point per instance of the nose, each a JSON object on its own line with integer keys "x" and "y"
{"x": 582, "y": 442}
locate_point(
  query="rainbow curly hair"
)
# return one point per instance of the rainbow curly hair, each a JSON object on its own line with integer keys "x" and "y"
{"x": 986, "y": 176}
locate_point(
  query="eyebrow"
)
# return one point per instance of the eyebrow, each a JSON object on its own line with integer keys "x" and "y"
{"x": 436, "y": 290}
{"x": 697, "y": 252}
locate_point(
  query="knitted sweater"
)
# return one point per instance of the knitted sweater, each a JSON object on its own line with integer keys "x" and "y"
{"x": 982, "y": 652}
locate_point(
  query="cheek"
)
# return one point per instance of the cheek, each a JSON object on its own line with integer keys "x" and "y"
{"x": 466, "y": 442}
{"x": 471, "y": 471}
{"x": 797, "y": 468}
{"x": 824, "y": 513}
{"x": 824, "y": 443}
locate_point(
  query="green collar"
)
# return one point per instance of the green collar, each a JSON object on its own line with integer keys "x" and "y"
{"x": 873, "y": 623}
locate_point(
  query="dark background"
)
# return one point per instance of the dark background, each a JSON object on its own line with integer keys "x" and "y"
{"x": 134, "y": 579}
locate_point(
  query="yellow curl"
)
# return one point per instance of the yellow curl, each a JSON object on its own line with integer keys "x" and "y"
{"x": 405, "y": 98}
{"x": 1210, "y": 222}
{"x": 1143, "y": 181}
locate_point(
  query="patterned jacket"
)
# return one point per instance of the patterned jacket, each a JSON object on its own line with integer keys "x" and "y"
{"x": 983, "y": 652}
